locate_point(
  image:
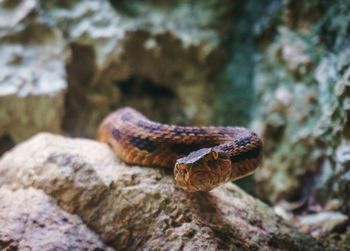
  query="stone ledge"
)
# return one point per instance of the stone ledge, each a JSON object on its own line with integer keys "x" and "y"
{"x": 133, "y": 207}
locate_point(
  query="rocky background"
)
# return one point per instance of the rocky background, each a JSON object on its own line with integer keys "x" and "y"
{"x": 280, "y": 67}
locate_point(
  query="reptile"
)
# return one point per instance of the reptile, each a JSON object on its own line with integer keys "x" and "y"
{"x": 202, "y": 157}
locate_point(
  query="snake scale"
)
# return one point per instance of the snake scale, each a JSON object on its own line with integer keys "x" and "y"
{"x": 202, "y": 157}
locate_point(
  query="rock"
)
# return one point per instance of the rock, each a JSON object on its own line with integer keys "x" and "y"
{"x": 280, "y": 211}
{"x": 32, "y": 73}
{"x": 132, "y": 207}
{"x": 66, "y": 65}
{"x": 324, "y": 223}
{"x": 31, "y": 220}
{"x": 343, "y": 155}
{"x": 307, "y": 58}
{"x": 157, "y": 60}
{"x": 332, "y": 205}
{"x": 292, "y": 52}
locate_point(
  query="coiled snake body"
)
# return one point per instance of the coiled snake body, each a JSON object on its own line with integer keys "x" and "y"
{"x": 204, "y": 157}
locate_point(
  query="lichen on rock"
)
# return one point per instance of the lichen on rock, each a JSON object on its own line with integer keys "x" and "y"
{"x": 302, "y": 89}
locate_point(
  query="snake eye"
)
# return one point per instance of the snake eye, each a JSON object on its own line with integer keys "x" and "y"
{"x": 215, "y": 154}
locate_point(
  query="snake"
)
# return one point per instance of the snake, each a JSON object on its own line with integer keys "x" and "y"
{"x": 202, "y": 157}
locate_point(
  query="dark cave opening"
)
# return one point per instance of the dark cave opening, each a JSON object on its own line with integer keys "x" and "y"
{"x": 157, "y": 101}
{"x": 138, "y": 86}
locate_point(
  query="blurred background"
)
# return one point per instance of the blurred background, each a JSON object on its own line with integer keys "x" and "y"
{"x": 280, "y": 67}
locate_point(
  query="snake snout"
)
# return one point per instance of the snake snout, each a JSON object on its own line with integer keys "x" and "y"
{"x": 181, "y": 174}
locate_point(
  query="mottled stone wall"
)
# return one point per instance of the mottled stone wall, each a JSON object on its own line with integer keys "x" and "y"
{"x": 32, "y": 73}
{"x": 157, "y": 58}
{"x": 69, "y": 63}
{"x": 302, "y": 85}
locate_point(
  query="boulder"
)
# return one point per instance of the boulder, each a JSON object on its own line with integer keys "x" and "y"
{"x": 32, "y": 73}
{"x": 31, "y": 220}
{"x": 127, "y": 207}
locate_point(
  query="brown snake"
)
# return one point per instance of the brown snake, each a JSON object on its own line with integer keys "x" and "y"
{"x": 204, "y": 157}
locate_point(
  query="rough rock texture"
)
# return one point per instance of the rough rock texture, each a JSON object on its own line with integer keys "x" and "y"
{"x": 144, "y": 53}
{"x": 160, "y": 58}
{"x": 302, "y": 84}
{"x": 31, "y": 220}
{"x": 32, "y": 73}
{"x": 130, "y": 207}
{"x": 322, "y": 224}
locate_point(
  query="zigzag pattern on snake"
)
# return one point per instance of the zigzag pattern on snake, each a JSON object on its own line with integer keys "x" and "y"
{"x": 202, "y": 157}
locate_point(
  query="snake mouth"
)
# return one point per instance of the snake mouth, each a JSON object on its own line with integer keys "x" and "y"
{"x": 182, "y": 175}
{"x": 192, "y": 179}
{"x": 203, "y": 175}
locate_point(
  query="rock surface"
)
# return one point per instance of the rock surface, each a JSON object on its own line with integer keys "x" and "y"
{"x": 324, "y": 223}
{"x": 128, "y": 207}
{"x": 31, "y": 220}
{"x": 32, "y": 73}
{"x": 302, "y": 83}
{"x": 159, "y": 58}
{"x": 67, "y": 64}
{"x": 302, "y": 86}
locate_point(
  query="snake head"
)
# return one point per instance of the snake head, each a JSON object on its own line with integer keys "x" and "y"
{"x": 202, "y": 170}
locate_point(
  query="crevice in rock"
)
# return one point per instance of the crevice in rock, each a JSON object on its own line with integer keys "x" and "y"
{"x": 80, "y": 72}
{"x": 10, "y": 245}
{"x": 125, "y": 7}
{"x": 146, "y": 95}
{"x": 6, "y": 143}
{"x": 138, "y": 86}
